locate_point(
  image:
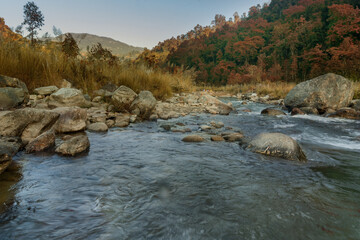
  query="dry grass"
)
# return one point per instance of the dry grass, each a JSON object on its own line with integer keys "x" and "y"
{"x": 47, "y": 65}
{"x": 274, "y": 89}
{"x": 357, "y": 90}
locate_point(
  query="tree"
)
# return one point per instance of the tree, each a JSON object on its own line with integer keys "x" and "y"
{"x": 57, "y": 31}
{"x": 97, "y": 52}
{"x": 69, "y": 46}
{"x": 33, "y": 18}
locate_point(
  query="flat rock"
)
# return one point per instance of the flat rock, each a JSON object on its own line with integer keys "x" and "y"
{"x": 98, "y": 127}
{"x": 347, "y": 113}
{"x": 45, "y": 90}
{"x": 68, "y": 97}
{"x": 217, "y": 138}
{"x": 11, "y": 97}
{"x": 233, "y": 137}
{"x": 193, "y": 138}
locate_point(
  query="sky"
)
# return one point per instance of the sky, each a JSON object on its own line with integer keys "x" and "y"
{"x": 141, "y": 23}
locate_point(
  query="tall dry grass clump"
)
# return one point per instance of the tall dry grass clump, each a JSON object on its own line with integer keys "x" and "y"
{"x": 43, "y": 65}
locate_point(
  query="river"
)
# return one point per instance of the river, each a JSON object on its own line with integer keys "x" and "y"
{"x": 143, "y": 182}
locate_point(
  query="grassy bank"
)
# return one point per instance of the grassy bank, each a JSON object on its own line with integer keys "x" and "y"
{"x": 45, "y": 65}
{"x": 274, "y": 89}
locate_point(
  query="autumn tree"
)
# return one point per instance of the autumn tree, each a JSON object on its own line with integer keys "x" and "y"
{"x": 33, "y": 19}
{"x": 99, "y": 53}
{"x": 69, "y": 46}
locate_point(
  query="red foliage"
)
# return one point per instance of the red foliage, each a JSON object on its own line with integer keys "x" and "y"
{"x": 294, "y": 10}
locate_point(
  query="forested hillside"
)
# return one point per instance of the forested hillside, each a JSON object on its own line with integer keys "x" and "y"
{"x": 286, "y": 40}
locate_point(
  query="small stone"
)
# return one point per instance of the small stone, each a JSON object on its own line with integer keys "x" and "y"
{"x": 217, "y": 138}
{"x": 193, "y": 138}
{"x": 74, "y": 146}
{"x": 98, "y": 127}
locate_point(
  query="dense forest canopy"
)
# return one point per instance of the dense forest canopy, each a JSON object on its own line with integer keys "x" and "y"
{"x": 286, "y": 40}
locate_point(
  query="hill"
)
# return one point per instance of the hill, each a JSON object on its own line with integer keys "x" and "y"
{"x": 286, "y": 40}
{"x": 6, "y": 33}
{"x": 118, "y": 48}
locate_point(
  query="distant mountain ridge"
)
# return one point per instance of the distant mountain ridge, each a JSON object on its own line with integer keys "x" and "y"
{"x": 86, "y": 40}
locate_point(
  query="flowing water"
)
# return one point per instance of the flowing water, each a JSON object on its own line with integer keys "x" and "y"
{"x": 145, "y": 183}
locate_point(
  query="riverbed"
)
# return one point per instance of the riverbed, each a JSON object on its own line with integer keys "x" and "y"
{"x": 143, "y": 182}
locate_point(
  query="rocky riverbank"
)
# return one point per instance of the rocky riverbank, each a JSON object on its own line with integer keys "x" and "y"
{"x": 55, "y": 119}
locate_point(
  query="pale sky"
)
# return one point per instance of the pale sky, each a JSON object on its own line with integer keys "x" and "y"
{"x": 141, "y": 23}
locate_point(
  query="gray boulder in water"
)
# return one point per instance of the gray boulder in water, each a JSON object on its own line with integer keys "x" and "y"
{"x": 327, "y": 91}
{"x": 277, "y": 145}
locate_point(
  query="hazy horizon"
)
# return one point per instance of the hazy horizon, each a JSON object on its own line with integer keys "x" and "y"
{"x": 138, "y": 23}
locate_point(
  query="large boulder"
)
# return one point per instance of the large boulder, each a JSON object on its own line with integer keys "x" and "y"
{"x": 327, "y": 91}
{"x": 11, "y": 97}
{"x": 27, "y": 123}
{"x": 71, "y": 119}
{"x": 143, "y": 105}
{"x": 68, "y": 97}
{"x": 277, "y": 145}
{"x": 45, "y": 90}
{"x": 122, "y": 98}
{"x": 73, "y": 146}
{"x": 215, "y": 106}
{"x": 13, "y": 92}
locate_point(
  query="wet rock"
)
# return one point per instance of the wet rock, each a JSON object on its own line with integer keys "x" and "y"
{"x": 143, "y": 105}
{"x": 297, "y": 111}
{"x": 122, "y": 120}
{"x": 246, "y": 110}
{"x": 310, "y": 110}
{"x": 73, "y": 146}
{"x": 233, "y": 137}
{"x": 327, "y": 91}
{"x": 5, "y": 161}
{"x": 42, "y": 142}
{"x": 205, "y": 128}
{"x": 166, "y": 127}
{"x": 193, "y": 138}
{"x": 98, "y": 127}
{"x": 277, "y": 145}
{"x": 122, "y": 98}
{"x": 46, "y": 90}
{"x": 68, "y": 97}
{"x": 27, "y": 123}
{"x": 217, "y": 124}
{"x": 272, "y": 112}
{"x": 347, "y": 113}
{"x": 217, "y": 138}
{"x": 71, "y": 119}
